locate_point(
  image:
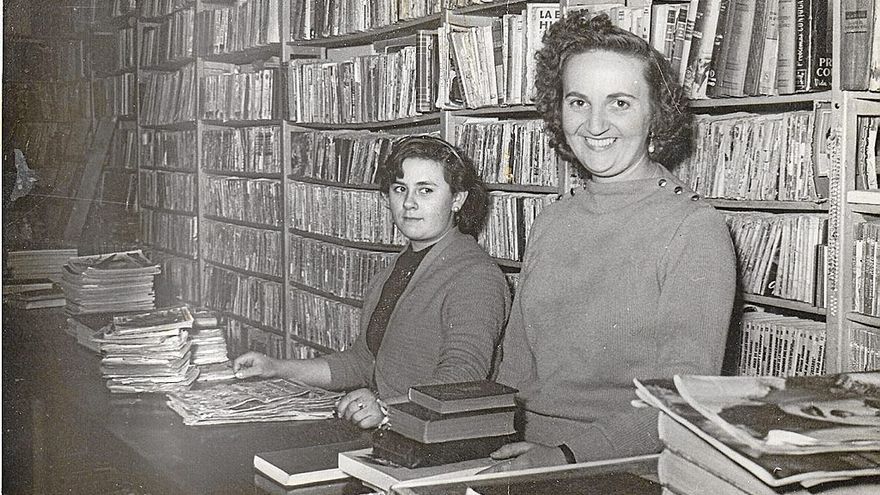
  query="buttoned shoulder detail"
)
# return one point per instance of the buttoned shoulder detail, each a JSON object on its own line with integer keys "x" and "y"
{"x": 661, "y": 182}
{"x": 678, "y": 190}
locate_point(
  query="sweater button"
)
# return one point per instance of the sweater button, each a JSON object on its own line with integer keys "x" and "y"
{"x": 661, "y": 182}
{"x": 695, "y": 197}
{"x": 677, "y": 190}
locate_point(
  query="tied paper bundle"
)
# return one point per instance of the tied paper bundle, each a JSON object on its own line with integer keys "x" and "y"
{"x": 252, "y": 401}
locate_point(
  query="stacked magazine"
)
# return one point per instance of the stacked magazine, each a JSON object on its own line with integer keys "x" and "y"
{"x": 148, "y": 352}
{"x": 117, "y": 282}
{"x": 768, "y": 435}
{"x": 37, "y": 263}
{"x": 275, "y": 399}
{"x": 208, "y": 339}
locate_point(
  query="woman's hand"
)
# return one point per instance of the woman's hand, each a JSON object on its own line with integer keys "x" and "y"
{"x": 255, "y": 364}
{"x": 362, "y": 408}
{"x": 524, "y": 455}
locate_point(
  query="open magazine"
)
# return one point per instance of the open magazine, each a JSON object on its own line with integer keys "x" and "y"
{"x": 796, "y": 415}
{"x": 773, "y": 469}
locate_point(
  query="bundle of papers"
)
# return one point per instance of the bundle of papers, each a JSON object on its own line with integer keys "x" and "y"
{"x": 252, "y": 401}
{"x": 762, "y": 433}
{"x": 109, "y": 282}
{"x": 148, "y": 352}
{"x": 39, "y": 263}
{"x": 208, "y": 339}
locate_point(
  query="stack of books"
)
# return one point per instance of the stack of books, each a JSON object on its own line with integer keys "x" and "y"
{"x": 447, "y": 423}
{"x": 89, "y": 329}
{"x": 38, "y": 263}
{"x": 109, "y": 282}
{"x": 149, "y": 352}
{"x": 768, "y": 435}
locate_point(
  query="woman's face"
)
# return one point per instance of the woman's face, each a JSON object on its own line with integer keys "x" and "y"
{"x": 606, "y": 114}
{"x": 422, "y": 202}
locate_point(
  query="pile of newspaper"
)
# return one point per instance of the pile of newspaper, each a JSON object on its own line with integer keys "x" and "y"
{"x": 37, "y": 264}
{"x": 767, "y": 435}
{"x": 208, "y": 337}
{"x": 115, "y": 282}
{"x": 274, "y": 399}
{"x": 148, "y": 352}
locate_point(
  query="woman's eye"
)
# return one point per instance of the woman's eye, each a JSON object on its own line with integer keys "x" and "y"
{"x": 622, "y": 104}
{"x": 398, "y": 189}
{"x": 426, "y": 190}
{"x": 577, "y": 103}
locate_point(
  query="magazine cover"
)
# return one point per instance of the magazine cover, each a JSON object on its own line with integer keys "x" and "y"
{"x": 795, "y": 415}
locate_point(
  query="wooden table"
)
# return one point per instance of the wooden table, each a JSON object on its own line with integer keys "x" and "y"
{"x": 56, "y": 407}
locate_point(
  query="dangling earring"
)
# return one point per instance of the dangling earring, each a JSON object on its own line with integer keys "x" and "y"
{"x": 651, "y": 143}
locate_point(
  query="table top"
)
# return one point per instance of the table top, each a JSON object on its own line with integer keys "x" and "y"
{"x": 42, "y": 362}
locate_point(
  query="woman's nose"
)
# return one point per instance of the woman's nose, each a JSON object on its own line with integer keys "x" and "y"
{"x": 409, "y": 201}
{"x": 595, "y": 122}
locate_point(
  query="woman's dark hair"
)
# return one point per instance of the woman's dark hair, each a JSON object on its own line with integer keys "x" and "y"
{"x": 671, "y": 122}
{"x": 458, "y": 171}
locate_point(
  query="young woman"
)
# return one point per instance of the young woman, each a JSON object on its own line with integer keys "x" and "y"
{"x": 632, "y": 277}
{"x": 436, "y": 313}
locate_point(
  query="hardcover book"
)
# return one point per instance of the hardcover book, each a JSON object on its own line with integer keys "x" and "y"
{"x": 416, "y": 422}
{"x": 396, "y": 448}
{"x": 304, "y": 465}
{"x": 448, "y": 398}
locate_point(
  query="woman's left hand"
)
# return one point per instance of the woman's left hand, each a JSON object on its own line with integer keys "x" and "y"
{"x": 525, "y": 455}
{"x": 361, "y": 407}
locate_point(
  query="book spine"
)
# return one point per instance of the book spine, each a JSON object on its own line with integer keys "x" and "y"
{"x": 820, "y": 47}
{"x": 802, "y": 11}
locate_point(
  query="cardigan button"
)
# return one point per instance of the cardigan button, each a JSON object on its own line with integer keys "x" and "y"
{"x": 695, "y": 197}
{"x": 677, "y": 190}
{"x": 661, "y": 182}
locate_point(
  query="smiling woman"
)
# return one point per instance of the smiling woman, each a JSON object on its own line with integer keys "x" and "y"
{"x": 633, "y": 276}
{"x": 436, "y": 313}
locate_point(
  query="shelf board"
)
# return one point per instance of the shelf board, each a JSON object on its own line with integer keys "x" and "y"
{"x": 160, "y": 18}
{"x": 169, "y": 169}
{"x": 172, "y": 252}
{"x": 243, "y": 174}
{"x": 366, "y": 246}
{"x": 783, "y": 303}
{"x": 796, "y": 99}
{"x": 736, "y": 204}
{"x": 423, "y": 119}
{"x": 245, "y": 56}
{"x": 395, "y": 30}
{"x": 244, "y": 223}
{"x": 245, "y": 271}
{"x": 241, "y": 123}
{"x": 512, "y": 111}
{"x": 112, "y": 24}
{"x": 169, "y": 65}
{"x": 504, "y": 262}
{"x": 250, "y": 322}
{"x": 326, "y": 295}
{"x": 186, "y": 125}
{"x": 864, "y": 201}
{"x": 331, "y": 183}
{"x": 115, "y": 72}
{"x": 524, "y": 188}
{"x": 169, "y": 211}
{"x": 318, "y": 347}
{"x": 871, "y": 321}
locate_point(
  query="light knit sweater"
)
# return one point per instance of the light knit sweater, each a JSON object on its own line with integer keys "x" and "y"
{"x": 623, "y": 280}
{"x": 444, "y": 327}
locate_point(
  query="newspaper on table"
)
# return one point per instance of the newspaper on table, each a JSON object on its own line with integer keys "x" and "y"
{"x": 775, "y": 470}
{"x": 274, "y": 399}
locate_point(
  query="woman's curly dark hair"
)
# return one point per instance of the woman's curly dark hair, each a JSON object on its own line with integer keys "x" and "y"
{"x": 671, "y": 122}
{"x": 458, "y": 170}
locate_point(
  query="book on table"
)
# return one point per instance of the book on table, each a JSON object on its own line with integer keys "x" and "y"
{"x": 52, "y": 297}
{"x": 381, "y": 474}
{"x": 456, "y": 397}
{"x": 427, "y": 426}
{"x": 305, "y": 465}
{"x": 13, "y": 286}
